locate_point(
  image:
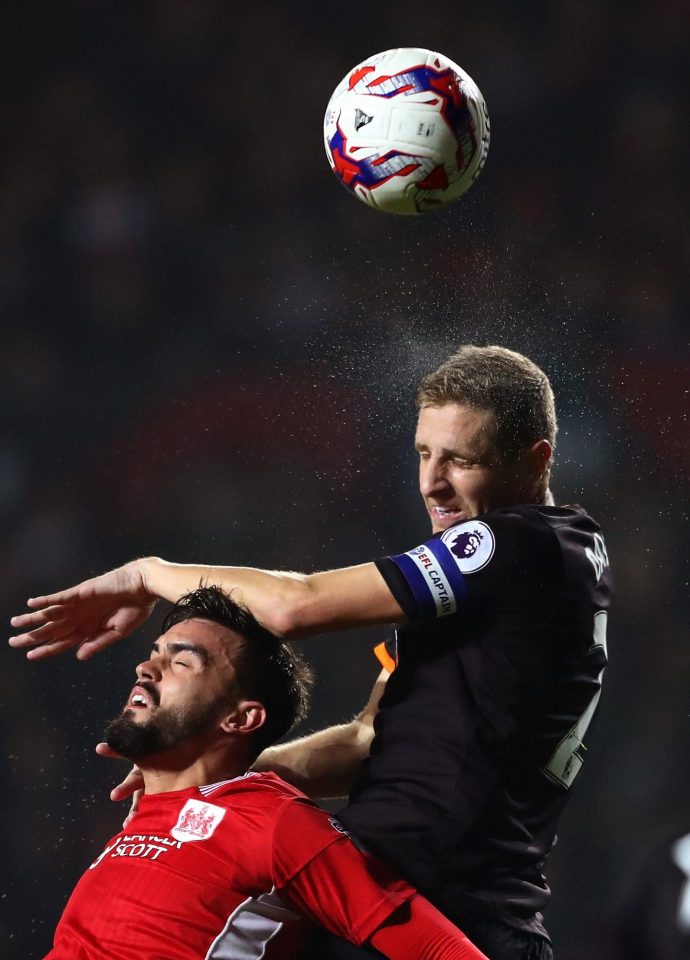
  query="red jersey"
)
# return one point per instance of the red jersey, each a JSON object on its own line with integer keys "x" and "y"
{"x": 226, "y": 870}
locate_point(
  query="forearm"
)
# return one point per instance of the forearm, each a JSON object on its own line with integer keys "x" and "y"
{"x": 266, "y": 593}
{"x": 418, "y": 931}
{"x": 289, "y": 604}
{"x": 323, "y": 764}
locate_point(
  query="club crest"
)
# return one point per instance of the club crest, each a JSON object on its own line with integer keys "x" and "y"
{"x": 197, "y": 821}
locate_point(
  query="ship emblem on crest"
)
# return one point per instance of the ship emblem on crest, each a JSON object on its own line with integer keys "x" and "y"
{"x": 197, "y": 821}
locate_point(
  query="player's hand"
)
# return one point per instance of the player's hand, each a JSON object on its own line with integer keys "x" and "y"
{"x": 132, "y": 786}
{"x": 90, "y": 616}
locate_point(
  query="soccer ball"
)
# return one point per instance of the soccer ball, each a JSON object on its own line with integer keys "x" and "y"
{"x": 407, "y": 131}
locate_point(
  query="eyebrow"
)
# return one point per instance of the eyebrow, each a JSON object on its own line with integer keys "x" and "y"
{"x": 181, "y": 646}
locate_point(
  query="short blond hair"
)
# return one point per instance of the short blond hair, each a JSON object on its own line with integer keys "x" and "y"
{"x": 511, "y": 387}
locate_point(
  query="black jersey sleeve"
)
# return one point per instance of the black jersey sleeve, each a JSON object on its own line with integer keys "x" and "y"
{"x": 399, "y": 586}
{"x": 502, "y": 560}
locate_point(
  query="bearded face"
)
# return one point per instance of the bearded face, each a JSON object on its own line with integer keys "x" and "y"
{"x": 162, "y": 731}
{"x": 176, "y": 706}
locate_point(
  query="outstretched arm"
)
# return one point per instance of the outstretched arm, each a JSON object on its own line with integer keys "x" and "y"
{"x": 95, "y": 613}
{"x": 326, "y": 763}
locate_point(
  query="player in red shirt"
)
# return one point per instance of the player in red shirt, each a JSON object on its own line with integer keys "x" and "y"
{"x": 211, "y": 867}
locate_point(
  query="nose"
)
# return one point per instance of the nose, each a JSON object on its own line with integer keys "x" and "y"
{"x": 432, "y": 477}
{"x": 149, "y": 670}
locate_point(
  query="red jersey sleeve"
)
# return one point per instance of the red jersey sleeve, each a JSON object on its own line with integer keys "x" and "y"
{"x": 320, "y": 871}
{"x": 419, "y": 932}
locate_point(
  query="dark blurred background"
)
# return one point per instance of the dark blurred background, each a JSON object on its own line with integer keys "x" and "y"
{"x": 209, "y": 352}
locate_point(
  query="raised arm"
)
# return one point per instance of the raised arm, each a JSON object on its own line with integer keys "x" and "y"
{"x": 289, "y": 604}
{"x": 325, "y": 764}
{"x": 97, "y": 612}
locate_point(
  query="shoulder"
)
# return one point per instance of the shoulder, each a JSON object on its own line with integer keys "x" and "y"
{"x": 253, "y": 812}
{"x": 266, "y": 789}
{"x": 536, "y": 519}
{"x": 509, "y": 534}
{"x": 541, "y": 526}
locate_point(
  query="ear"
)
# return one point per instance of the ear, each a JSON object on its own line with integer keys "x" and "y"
{"x": 246, "y": 717}
{"x": 538, "y": 458}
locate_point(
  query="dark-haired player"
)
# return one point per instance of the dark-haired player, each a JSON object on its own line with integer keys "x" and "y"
{"x": 474, "y": 732}
{"x": 218, "y": 862}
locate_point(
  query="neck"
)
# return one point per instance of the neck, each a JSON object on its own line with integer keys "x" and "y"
{"x": 538, "y": 494}
{"x": 163, "y": 775}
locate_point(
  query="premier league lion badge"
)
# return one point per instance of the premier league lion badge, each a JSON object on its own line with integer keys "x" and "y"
{"x": 472, "y": 545}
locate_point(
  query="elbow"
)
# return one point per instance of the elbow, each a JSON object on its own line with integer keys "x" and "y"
{"x": 290, "y": 614}
{"x": 282, "y": 623}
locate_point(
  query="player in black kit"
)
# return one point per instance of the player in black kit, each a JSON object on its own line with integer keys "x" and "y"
{"x": 468, "y": 748}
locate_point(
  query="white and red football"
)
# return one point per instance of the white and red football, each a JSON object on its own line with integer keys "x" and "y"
{"x": 407, "y": 131}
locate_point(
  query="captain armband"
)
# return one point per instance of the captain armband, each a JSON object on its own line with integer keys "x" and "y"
{"x": 433, "y": 578}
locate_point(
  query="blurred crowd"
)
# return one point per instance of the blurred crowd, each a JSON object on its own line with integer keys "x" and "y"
{"x": 209, "y": 352}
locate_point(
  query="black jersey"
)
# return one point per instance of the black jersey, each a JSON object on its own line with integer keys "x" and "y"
{"x": 479, "y": 734}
